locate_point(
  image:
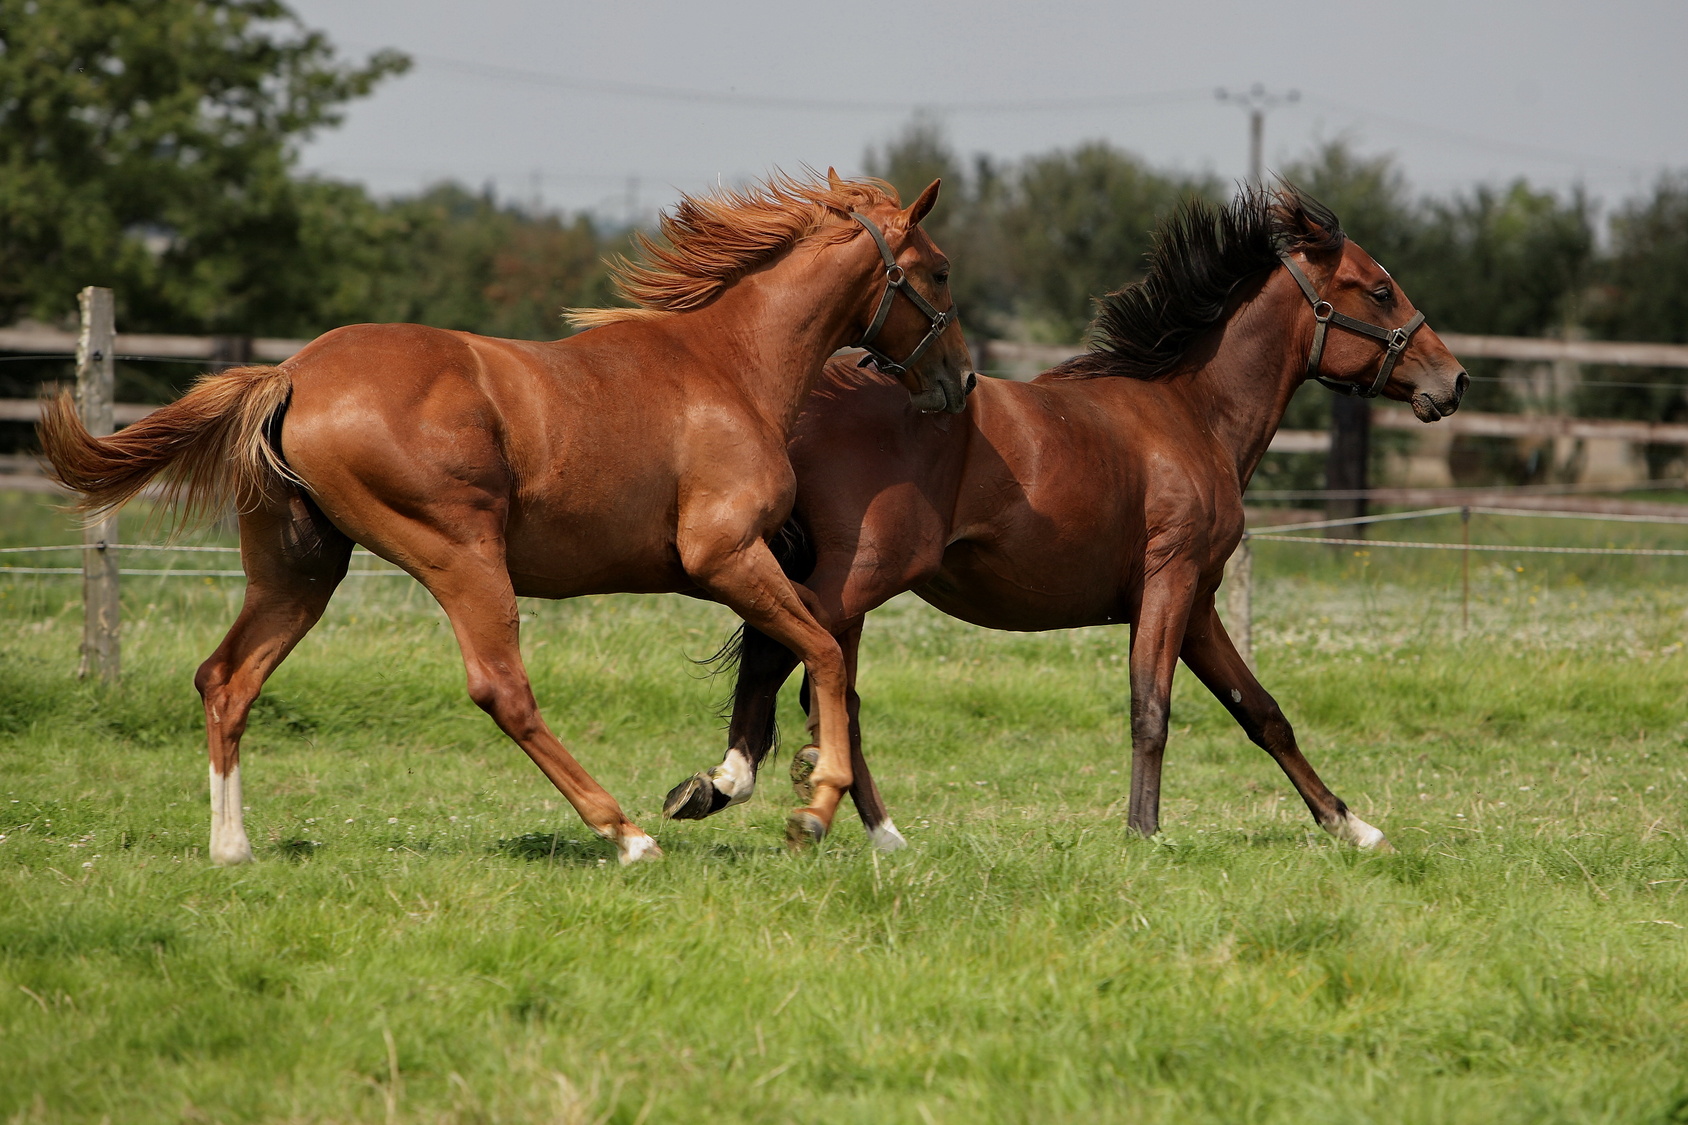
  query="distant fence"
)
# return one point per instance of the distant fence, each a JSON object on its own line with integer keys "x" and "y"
{"x": 1020, "y": 361}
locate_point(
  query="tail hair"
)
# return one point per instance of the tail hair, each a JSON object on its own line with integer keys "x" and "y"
{"x": 215, "y": 447}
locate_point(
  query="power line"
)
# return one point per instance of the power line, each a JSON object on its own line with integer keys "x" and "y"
{"x": 1487, "y": 144}
{"x": 611, "y": 88}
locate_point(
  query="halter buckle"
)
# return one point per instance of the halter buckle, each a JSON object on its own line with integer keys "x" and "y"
{"x": 895, "y": 275}
{"x": 1329, "y": 311}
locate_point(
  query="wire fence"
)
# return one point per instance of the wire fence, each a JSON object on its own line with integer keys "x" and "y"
{"x": 1238, "y": 583}
{"x": 166, "y": 572}
{"x": 1239, "y": 573}
{"x": 1278, "y": 533}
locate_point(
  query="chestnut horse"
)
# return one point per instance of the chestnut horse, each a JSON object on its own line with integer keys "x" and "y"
{"x": 1109, "y": 490}
{"x": 646, "y": 455}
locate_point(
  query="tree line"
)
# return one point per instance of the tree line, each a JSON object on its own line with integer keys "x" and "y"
{"x": 152, "y": 146}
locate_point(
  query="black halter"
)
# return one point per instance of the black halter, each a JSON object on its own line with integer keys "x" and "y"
{"x": 1394, "y": 339}
{"x": 897, "y": 281}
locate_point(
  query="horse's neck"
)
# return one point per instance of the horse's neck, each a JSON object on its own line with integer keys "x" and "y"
{"x": 777, "y": 327}
{"x": 1257, "y": 363}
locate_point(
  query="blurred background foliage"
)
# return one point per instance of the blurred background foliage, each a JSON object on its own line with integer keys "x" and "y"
{"x": 152, "y": 146}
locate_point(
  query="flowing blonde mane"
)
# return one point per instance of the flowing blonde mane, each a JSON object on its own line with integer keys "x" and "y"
{"x": 710, "y": 241}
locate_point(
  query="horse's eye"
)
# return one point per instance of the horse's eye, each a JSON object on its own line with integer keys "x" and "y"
{"x": 1383, "y": 295}
{"x": 941, "y": 277}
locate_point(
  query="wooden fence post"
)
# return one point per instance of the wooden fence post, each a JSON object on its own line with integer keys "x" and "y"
{"x": 1239, "y": 600}
{"x": 1345, "y": 465}
{"x": 96, "y": 386}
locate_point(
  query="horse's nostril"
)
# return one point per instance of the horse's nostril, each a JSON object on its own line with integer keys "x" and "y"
{"x": 972, "y": 381}
{"x": 1461, "y": 381}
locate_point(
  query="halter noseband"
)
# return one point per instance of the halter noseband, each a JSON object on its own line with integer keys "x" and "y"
{"x": 1394, "y": 339}
{"x": 896, "y": 281}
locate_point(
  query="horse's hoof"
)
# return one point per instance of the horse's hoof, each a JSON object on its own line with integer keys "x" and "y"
{"x": 885, "y": 838}
{"x": 802, "y": 766}
{"x": 1350, "y": 829}
{"x": 230, "y": 851}
{"x": 633, "y": 849}
{"x": 694, "y": 798}
{"x": 803, "y": 828}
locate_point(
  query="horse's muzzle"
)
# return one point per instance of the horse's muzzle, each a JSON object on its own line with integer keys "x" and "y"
{"x": 947, "y": 396}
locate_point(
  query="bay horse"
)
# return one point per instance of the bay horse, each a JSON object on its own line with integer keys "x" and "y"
{"x": 1107, "y": 491}
{"x": 648, "y": 454}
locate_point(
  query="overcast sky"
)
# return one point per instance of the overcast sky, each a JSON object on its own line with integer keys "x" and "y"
{"x": 586, "y": 104}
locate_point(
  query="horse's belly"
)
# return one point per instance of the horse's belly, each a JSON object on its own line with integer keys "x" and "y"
{"x": 986, "y": 590}
{"x": 562, "y": 558}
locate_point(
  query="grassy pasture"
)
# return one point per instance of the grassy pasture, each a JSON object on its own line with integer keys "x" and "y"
{"x": 429, "y": 936}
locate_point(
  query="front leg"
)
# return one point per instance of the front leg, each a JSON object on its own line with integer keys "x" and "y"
{"x": 1156, "y": 637}
{"x": 1214, "y": 659}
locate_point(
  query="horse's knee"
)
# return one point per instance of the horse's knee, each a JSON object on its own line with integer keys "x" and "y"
{"x": 212, "y": 676}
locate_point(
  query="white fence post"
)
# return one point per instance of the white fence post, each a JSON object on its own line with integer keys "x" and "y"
{"x": 96, "y": 386}
{"x": 1239, "y": 600}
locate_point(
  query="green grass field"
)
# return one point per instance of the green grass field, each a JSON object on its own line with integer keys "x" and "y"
{"x": 430, "y": 935}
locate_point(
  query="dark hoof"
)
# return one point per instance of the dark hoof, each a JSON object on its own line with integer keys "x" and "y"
{"x": 803, "y": 828}
{"x": 802, "y": 765}
{"x": 694, "y": 798}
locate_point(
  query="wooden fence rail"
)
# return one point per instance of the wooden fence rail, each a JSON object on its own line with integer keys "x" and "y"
{"x": 29, "y": 339}
{"x": 1007, "y": 354}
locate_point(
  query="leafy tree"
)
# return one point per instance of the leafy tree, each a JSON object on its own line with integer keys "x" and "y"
{"x": 1077, "y": 225}
{"x": 1644, "y": 296}
{"x": 1036, "y": 243}
{"x": 966, "y": 223}
{"x": 459, "y": 260}
{"x": 149, "y": 145}
{"x": 1509, "y": 262}
{"x": 1369, "y": 194}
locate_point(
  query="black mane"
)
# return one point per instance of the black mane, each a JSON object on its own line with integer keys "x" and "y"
{"x": 1201, "y": 253}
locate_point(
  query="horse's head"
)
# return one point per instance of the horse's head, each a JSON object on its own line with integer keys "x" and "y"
{"x": 1367, "y": 339}
{"x": 907, "y": 318}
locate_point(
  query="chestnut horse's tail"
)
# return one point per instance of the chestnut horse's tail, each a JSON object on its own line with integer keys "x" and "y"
{"x": 215, "y": 446}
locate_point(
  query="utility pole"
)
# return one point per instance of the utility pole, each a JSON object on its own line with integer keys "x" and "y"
{"x": 1350, "y": 418}
{"x": 1256, "y": 101}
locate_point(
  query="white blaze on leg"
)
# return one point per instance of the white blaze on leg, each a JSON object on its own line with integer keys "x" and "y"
{"x": 229, "y": 844}
{"x": 734, "y": 777}
{"x": 886, "y": 838}
{"x": 1351, "y": 829}
{"x": 634, "y": 848}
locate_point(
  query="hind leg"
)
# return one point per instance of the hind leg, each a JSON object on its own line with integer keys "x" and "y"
{"x": 293, "y": 559}
{"x": 763, "y": 667}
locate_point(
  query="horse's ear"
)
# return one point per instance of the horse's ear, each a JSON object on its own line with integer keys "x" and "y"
{"x": 833, "y": 179}
{"x": 921, "y": 207}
